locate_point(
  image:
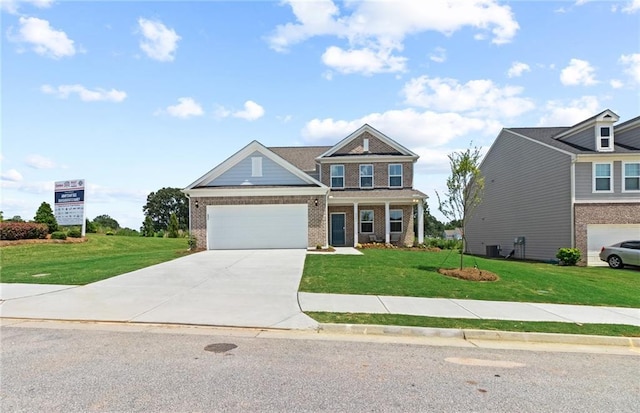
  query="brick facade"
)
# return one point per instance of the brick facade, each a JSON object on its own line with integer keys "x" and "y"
{"x": 376, "y": 146}
{"x": 585, "y": 214}
{"x": 380, "y": 174}
{"x": 317, "y": 224}
{"x": 379, "y": 221}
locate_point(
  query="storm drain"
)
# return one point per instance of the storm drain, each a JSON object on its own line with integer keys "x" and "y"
{"x": 220, "y": 347}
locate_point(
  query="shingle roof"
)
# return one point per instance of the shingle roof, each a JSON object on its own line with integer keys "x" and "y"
{"x": 376, "y": 193}
{"x": 302, "y": 157}
{"x": 546, "y": 136}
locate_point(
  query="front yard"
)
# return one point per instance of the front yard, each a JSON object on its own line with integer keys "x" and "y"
{"x": 414, "y": 273}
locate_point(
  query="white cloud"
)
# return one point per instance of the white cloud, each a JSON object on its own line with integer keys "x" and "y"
{"x": 517, "y": 69}
{"x": 186, "y": 108}
{"x": 579, "y": 72}
{"x": 39, "y": 162}
{"x": 477, "y": 97}
{"x": 159, "y": 42}
{"x": 365, "y": 61}
{"x": 412, "y": 128}
{"x": 43, "y": 39}
{"x": 439, "y": 55}
{"x": 375, "y": 30}
{"x": 86, "y": 95}
{"x": 632, "y": 66}
{"x": 12, "y": 6}
{"x": 632, "y": 7}
{"x": 559, "y": 113}
{"x": 251, "y": 112}
{"x": 616, "y": 84}
{"x": 12, "y": 175}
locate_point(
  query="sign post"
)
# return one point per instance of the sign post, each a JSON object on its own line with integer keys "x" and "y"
{"x": 69, "y": 203}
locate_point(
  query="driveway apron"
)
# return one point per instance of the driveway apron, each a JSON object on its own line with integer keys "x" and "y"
{"x": 242, "y": 288}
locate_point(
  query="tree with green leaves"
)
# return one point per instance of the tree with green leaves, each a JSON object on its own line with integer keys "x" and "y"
{"x": 44, "y": 215}
{"x": 147, "y": 227}
{"x": 161, "y": 204}
{"x": 105, "y": 222}
{"x": 433, "y": 228}
{"x": 172, "y": 229}
{"x": 465, "y": 188}
{"x": 90, "y": 227}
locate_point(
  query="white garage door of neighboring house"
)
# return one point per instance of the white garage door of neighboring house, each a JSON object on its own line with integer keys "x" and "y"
{"x": 256, "y": 226}
{"x": 599, "y": 235}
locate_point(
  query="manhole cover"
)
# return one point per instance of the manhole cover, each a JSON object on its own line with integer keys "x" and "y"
{"x": 220, "y": 347}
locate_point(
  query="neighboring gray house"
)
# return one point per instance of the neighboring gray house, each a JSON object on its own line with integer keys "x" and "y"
{"x": 452, "y": 234}
{"x": 553, "y": 187}
{"x": 300, "y": 197}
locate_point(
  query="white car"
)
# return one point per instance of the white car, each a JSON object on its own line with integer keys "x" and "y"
{"x": 621, "y": 254}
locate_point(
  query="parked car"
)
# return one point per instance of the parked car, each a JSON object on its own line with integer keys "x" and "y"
{"x": 621, "y": 254}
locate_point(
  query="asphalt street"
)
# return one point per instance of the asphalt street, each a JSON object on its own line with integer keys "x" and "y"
{"x": 58, "y": 367}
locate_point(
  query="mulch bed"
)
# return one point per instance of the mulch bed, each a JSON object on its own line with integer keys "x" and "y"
{"x": 469, "y": 274}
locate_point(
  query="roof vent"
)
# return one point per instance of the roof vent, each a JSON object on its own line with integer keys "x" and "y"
{"x": 365, "y": 144}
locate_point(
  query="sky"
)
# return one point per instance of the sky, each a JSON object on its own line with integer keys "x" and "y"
{"x": 136, "y": 96}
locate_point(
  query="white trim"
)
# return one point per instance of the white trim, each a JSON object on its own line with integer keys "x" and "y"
{"x": 375, "y": 201}
{"x": 256, "y": 166}
{"x": 593, "y": 174}
{"x": 360, "y": 176}
{"x": 366, "y": 128}
{"x": 609, "y": 157}
{"x": 624, "y": 178}
{"x": 367, "y": 159}
{"x": 277, "y": 191}
{"x": 609, "y": 201}
{"x": 331, "y": 176}
{"x": 401, "y": 175}
{"x": 365, "y": 144}
{"x": 586, "y": 124}
{"x": 360, "y": 231}
{"x": 401, "y": 221}
{"x": 598, "y": 133}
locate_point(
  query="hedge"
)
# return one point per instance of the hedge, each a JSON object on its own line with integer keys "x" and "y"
{"x": 23, "y": 230}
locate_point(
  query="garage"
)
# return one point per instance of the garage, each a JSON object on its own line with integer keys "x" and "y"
{"x": 257, "y": 226}
{"x": 599, "y": 235}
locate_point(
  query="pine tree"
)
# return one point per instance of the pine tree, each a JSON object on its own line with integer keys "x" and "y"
{"x": 147, "y": 227}
{"x": 44, "y": 215}
{"x": 172, "y": 229}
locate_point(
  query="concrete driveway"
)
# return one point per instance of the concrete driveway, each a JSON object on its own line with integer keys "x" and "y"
{"x": 243, "y": 288}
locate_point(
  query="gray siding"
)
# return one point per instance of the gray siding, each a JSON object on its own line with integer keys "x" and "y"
{"x": 585, "y": 139}
{"x": 272, "y": 174}
{"x": 527, "y": 194}
{"x": 584, "y": 184}
{"x": 630, "y": 137}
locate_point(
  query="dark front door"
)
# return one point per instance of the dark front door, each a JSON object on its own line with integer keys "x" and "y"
{"x": 337, "y": 229}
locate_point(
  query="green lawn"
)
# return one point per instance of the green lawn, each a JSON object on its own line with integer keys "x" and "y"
{"x": 414, "y": 273}
{"x": 82, "y": 263}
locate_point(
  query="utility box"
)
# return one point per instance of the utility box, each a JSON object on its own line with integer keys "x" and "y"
{"x": 493, "y": 251}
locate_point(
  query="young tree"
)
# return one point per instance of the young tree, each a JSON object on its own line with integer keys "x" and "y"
{"x": 161, "y": 204}
{"x": 465, "y": 187}
{"x": 106, "y": 222}
{"x": 147, "y": 227}
{"x": 44, "y": 215}
{"x": 172, "y": 228}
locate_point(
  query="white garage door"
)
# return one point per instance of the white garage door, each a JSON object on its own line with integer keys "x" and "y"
{"x": 599, "y": 235}
{"x": 256, "y": 226}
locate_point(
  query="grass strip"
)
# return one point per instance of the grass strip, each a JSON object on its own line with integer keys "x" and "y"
{"x": 612, "y": 330}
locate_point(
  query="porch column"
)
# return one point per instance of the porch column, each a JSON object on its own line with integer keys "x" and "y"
{"x": 387, "y": 224}
{"x": 420, "y": 221}
{"x": 356, "y": 217}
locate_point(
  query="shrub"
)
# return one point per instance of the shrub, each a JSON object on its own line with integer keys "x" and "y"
{"x": 74, "y": 233}
{"x": 193, "y": 242}
{"x": 109, "y": 233}
{"x": 127, "y": 232}
{"x": 568, "y": 256}
{"x": 22, "y": 230}
{"x": 160, "y": 234}
{"x": 58, "y": 235}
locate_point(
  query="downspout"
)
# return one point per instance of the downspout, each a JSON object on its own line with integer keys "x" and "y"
{"x": 573, "y": 200}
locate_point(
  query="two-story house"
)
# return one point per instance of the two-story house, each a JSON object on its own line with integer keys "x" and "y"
{"x": 357, "y": 191}
{"x": 553, "y": 187}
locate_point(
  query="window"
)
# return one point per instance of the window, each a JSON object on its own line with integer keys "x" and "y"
{"x": 395, "y": 220}
{"x": 337, "y": 176}
{"x": 366, "y": 221}
{"x": 256, "y": 166}
{"x": 366, "y": 176}
{"x": 605, "y": 138}
{"x": 395, "y": 175}
{"x": 602, "y": 177}
{"x": 631, "y": 176}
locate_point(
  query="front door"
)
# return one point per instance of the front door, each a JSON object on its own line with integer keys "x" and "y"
{"x": 337, "y": 229}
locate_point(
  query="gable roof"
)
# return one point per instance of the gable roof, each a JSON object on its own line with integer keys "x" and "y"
{"x": 243, "y": 153}
{"x": 605, "y": 115}
{"x": 302, "y": 157}
{"x": 376, "y": 133}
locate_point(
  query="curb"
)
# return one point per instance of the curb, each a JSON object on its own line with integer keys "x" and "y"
{"x": 470, "y": 335}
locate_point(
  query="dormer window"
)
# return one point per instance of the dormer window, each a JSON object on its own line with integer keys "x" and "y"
{"x": 604, "y": 138}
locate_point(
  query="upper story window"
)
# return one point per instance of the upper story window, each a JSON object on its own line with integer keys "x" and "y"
{"x": 604, "y": 138}
{"x": 602, "y": 177}
{"x": 631, "y": 177}
{"x": 366, "y": 176}
{"x": 337, "y": 176}
{"x": 366, "y": 221}
{"x": 395, "y": 175}
{"x": 256, "y": 166}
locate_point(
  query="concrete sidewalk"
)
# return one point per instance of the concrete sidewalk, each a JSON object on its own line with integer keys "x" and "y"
{"x": 474, "y": 309}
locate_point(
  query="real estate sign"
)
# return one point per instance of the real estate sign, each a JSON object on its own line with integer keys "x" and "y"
{"x": 69, "y": 202}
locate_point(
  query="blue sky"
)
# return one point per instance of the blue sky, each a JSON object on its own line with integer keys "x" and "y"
{"x": 136, "y": 96}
